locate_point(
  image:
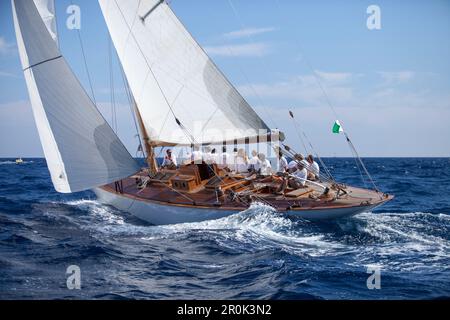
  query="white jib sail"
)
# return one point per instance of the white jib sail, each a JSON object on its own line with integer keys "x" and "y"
{"x": 46, "y": 10}
{"x": 81, "y": 149}
{"x": 171, "y": 77}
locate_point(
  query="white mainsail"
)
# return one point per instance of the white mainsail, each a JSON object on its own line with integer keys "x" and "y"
{"x": 172, "y": 78}
{"x": 46, "y": 10}
{"x": 81, "y": 149}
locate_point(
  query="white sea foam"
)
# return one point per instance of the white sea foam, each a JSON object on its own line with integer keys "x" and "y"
{"x": 14, "y": 162}
{"x": 262, "y": 228}
{"x": 406, "y": 242}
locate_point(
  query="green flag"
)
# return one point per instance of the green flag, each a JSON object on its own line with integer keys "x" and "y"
{"x": 337, "y": 128}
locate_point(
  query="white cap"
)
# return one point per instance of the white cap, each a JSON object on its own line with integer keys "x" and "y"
{"x": 305, "y": 163}
{"x": 292, "y": 164}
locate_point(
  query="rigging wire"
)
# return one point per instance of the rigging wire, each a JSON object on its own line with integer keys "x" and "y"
{"x": 131, "y": 105}
{"x": 112, "y": 88}
{"x": 85, "y": 63}
{"x": 130, "y": 32}
{"x": 325, "y": 167}
{"x": 297, "y": 130}
{"x": 184, "y": 129}
{"x": 183, "y": 29}
{"x": 258, "y": 96}
{"x": 328, "y": 101}
{"x": 288, "y": 151}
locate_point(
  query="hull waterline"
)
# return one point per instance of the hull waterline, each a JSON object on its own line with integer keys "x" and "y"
{"x": 161, "y": 214}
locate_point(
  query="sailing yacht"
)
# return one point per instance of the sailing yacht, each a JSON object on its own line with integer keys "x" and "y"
{"x": 181, "y": 99}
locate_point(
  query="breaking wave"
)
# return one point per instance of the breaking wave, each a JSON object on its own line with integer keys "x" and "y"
{"x": 255, "y": 254}
{"x": 366, "y": 236}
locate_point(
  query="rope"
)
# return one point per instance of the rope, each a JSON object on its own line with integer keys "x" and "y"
{"x": 85, "y": 63}
{"x": 297, "y": 130}
{"x": 327, "y": 171}
{"x": 131, "y": 104}
{"x": 146, "y": 61}
{"x": 112, "y": 89}
{"x": 243, "y": 26}
{"x": 193, "y": 142}
{"x": 328, "y": 101}
{"x": 292, "y": 153}
{"x": 183, "y": 29}
{"x": 181, "y": 194}
{"x": 362, "y": 163}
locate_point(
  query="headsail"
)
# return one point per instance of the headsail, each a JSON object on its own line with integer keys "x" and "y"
{"x": 46, "y": 9}
{"x": 182, "y": 96}
{"x": 81, "y": 149}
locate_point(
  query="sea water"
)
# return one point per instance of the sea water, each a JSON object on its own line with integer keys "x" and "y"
{"x": 255, "y": 254}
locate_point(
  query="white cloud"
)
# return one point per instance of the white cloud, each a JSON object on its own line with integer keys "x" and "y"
{"x": 5, "y": 47}
{"x": 385, "y": 121}
{"x": 248, "y": 32}
{"x": 392, "y": 131}
{"x": 239, "y": 50}
{"x": 334, "y": 76}
{"x": 304, "y": 89}
{"x": 8, "y": 75}
{"x": 397, "y": 77}
{"x": 344, "y": 90}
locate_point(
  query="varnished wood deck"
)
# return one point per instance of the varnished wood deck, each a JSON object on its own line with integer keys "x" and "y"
{"x": 203, "y": 198}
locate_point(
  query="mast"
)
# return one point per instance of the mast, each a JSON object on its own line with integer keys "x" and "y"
{"x": 149, "y": 149}
{"x": 182, "y": 96}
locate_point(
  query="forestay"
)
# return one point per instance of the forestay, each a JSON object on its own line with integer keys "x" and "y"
{"x": 81, "y": 149}
{"x": 172, "y": 78}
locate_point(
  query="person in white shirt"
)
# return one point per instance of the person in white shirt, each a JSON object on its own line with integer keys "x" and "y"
{"x": 265, "y": 168}
{"x": 301, "y": 175}
{"x": 254, "y": 164}
{"x": 170, "y": 161}
{"x": 197, "y": 155}
{"x": 297, "y": 158}
{"x": 296, "y": 178}
{"x": 282, "y": 163}
{"x": 313, "y": 168}
{"x": 241, "y": 162}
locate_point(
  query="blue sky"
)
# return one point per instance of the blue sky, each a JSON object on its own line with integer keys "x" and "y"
{"x": 389, "y": 87}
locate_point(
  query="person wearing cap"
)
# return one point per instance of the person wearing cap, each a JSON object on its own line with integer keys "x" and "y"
{"x": 300, "y": 175}
{"x": 265, "y": 168}
{"x": 313, "y": 168}
{"x": 297, "y": 158}
{"x": 169, "y": 162}
{"x": 296, "y": 178}
{"x": 254, "y": 164}
{"x": 282, "y": 163}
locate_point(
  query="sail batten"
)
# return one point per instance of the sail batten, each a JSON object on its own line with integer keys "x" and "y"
{"x": 80, "y": 148}
{"x": 182, "y": 96}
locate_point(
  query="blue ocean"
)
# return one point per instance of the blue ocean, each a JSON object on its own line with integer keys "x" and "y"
{"x": 255, "y": 254}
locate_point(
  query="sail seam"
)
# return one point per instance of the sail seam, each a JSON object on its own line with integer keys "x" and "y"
{"x": 36, "y": 64}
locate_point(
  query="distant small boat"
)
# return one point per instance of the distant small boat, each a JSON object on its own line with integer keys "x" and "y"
{"x": 19, "y": 161}
{"x": 180, "y": 99}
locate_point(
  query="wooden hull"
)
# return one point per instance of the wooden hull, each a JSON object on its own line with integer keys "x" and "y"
{"x": 159, "y": 213}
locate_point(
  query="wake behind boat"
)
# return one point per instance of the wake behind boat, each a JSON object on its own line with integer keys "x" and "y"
{"x": 180, "y": 99}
